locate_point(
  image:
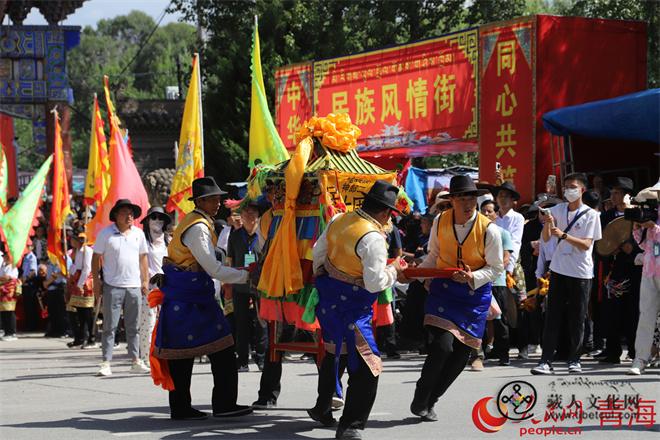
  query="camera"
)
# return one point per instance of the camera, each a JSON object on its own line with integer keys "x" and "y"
{"x": 643, "y": 211}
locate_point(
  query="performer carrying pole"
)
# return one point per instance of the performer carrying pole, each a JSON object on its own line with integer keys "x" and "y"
{"x": 350, "y": 263}
{"x": 456, "y": 308}
{"x": 191, "y": 322}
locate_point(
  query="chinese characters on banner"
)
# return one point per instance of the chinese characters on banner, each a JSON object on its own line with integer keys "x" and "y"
{"x": 507, "y": 104}
{"x": 349, "y": 188}
{"x": 293, "y": 100}
{"x": 418, "y": 94}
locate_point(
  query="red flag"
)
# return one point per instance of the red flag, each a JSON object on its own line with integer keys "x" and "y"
{"x": 60, "y": 208}
{"x": 125, "y": 183}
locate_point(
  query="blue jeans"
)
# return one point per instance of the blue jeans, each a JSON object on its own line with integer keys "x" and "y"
{"x": 113, "y": 300}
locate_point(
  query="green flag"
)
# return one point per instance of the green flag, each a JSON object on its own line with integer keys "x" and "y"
{"x": 16, "y": 225}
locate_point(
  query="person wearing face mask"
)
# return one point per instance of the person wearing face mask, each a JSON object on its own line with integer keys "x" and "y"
{"x": 154, "y": 225}
{"x": 576, "y": 227}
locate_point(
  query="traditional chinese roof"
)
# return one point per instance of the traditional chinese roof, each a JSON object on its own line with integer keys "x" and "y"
{"x": 54, "y": 11}
{"x": 151, "y": 113}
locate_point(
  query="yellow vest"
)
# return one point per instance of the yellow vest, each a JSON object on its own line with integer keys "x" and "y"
{"x": 471, "y": 252}
{"x": 177, "y": 252}
{"x": 343, "y": 236}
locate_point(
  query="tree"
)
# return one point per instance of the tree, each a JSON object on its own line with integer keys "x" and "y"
{"x": 113, "y": 49}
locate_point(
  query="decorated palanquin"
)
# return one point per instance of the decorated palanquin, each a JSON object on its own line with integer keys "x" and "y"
{"x": 324, "y": 177}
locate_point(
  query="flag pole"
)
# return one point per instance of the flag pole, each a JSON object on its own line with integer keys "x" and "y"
{"x": 201, "y": 113}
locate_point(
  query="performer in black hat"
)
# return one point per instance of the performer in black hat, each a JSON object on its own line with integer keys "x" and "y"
{"x": 191, "y": 322}
{"x": 350, "y": 263}
{"x": 456, "y": 308}
{"x": 621, "y": 280}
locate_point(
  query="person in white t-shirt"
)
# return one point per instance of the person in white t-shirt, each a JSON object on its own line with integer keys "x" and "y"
{"x": 154, "y": 225}
{"x": 576, "y": 227}
{"x": 122, "y": 250}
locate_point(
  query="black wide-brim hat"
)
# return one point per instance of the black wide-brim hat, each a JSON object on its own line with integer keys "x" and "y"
{"x": 121, "y": 203}
{"x": 509, "y": 187}
{"x": 461, "y": 185}
{"x": 624, "y": 183}
{"x": 157, "y": 212}
{"x": 205, "y": 187}
{"x": 383, "y": 193}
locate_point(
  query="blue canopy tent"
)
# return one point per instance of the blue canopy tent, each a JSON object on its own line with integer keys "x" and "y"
{"x": 617, "y": 135}
{"x": 628, "y": 117}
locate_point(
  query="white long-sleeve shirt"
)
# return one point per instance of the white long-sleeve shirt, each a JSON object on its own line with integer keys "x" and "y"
{"x": 83, "y": 263}
{"x": 198, "y": 239}
{"x": 372, "y": 250}
{"x": 514, "y": 222}
{"x": 493, "y": 251}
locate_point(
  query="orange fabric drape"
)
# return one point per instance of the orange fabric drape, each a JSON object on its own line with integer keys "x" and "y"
{"x": 282, "y": 274}
{"x": 160, "y": 369}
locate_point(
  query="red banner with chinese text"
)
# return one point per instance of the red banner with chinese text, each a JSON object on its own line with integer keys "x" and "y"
{"x": 293, "y": 100}
{"x": 417, "y": 94}
{"x": 507, "y": 60}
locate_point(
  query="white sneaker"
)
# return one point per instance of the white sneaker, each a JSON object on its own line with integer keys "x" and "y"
{"x": 542, "y": 368}
{"x": 637, "y": 368}
{"x": 574, "y": 367}
{"x": 10, "y": 338}
{"x": 337, "y": 402}
{"x": 534, "y": 349}
{"x": 139, "y": 367}
{"x": 105, "y": 369}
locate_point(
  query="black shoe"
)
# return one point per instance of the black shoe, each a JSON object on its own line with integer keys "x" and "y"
{"x": 348, "y": 433}
{"x": 601, "y": 355}
{"x": 324, "y": 419}
{"x": 430, "y": 416}
{"x": 609, "y": 360}
{"x": 264, "y": 404}
{"x": 393, "y": 355}
{"x": 74, "y": 344}
{"x": 191, "y": 414}
{"x": 504, "y": 363}
{"x": 236, "y": 411}
{"x": 419, "y": 405}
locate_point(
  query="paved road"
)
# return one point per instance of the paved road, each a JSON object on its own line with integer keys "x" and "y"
{"x": 49, "y": 391}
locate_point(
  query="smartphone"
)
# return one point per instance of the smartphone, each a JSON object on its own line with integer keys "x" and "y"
{"x": 544, "y": 211}
{"x": 552, "y": 181}
{"x": 498, "y": 166}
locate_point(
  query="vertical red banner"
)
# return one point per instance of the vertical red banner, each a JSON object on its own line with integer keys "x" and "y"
{"x": 507, "y": 56}
{"x": 7, "y": 140}
{"x": 293, "y": 100}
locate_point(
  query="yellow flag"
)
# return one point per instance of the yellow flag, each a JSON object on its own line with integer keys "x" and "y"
{"x": 190, "y": 161}
{"x": 97, "y": 182}
{"x": 265, "y": 142}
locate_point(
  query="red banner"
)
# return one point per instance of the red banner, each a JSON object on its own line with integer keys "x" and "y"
{"x": 507, "y": 55}
{"x": 293, "y": 100}
{"x": 7, "y": 141}
{"x": 418, "y": 94}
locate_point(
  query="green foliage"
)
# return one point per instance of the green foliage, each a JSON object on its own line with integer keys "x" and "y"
{"x": 108, "y": 50}
{"x": 28, "y": 158}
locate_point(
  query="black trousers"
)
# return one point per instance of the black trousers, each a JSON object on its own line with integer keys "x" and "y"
{"x": 270, "y": 383}
{"x": 568, "y": 298}
{"x": 225, "y": 382}
{"x": 447, "y": 357}
{"x": 360, "y": 394}
{"x": 31, "y": 307}
{"x": 249, "y": 330}
{"x": 622, "y": 317}
{"x": 56, "y": 312}
{"x": 84, "y": 330}
{"x": 8, "y": 322}
{"x": 501, "y": 326}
